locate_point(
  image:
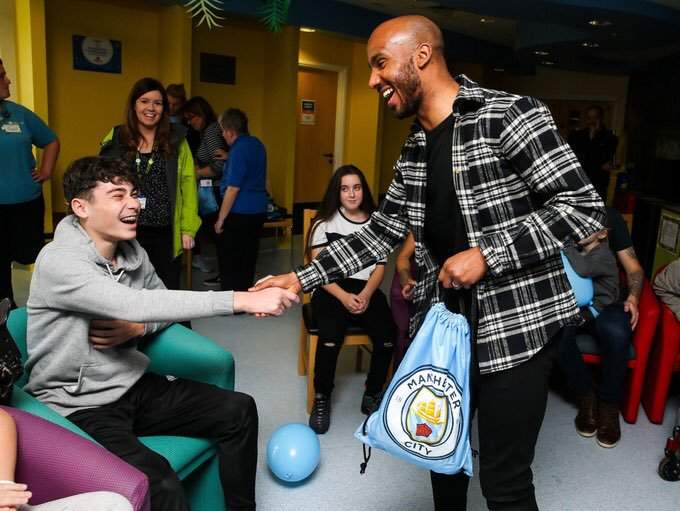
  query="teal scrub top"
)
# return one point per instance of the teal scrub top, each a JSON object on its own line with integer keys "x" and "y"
{"x": 20, "y": 130}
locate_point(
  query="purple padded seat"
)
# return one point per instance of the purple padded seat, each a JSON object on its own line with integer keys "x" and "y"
{"x": 56, "y": 463}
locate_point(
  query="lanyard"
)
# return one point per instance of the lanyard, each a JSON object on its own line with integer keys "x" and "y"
{"x": 149, "y": 163}
{"x": 4, "y": 113}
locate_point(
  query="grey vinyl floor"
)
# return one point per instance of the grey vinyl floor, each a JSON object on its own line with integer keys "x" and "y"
{"x": 571, "y": 473}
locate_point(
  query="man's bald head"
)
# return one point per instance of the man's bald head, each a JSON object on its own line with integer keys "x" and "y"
{"x": 411, "y": 31}
{"x": 406, "y": 57}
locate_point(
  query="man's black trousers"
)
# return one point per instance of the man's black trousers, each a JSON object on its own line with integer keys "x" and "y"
{"x": 510, "y": 409}
{"x": 21, "y": 232}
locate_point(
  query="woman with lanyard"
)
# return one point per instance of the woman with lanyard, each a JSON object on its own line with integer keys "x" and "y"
{"x": 169, "y": 219}
{"x": 209, "y": 158}
{"x": 22, "y": 209}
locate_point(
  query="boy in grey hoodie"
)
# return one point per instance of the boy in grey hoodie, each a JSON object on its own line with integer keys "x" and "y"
{"x": 93, "y": 294}
{"x": 609, "y": 322}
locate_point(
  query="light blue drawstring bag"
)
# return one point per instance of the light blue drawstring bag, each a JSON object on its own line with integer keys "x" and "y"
{"x": 582, "y": 287}
{"x": 424, "y": 417}
{"x": 207, "y": 204}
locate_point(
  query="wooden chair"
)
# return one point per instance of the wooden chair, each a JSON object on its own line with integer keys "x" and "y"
{"x": 309, "y": 331}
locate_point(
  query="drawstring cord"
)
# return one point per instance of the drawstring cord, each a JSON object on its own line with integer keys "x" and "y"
{"x": 365, "y": 448}
{"x": 114, "y": 277}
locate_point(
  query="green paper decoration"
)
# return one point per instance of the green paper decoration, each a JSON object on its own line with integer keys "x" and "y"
{"x": 208, "y": 11}
{"x": 275, "y": 13}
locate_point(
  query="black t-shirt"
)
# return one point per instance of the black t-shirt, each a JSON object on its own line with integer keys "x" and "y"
{"x": 445, "y": 233}
{"x": 619, "y": 238}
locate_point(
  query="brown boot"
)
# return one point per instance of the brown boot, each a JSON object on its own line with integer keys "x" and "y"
{"x": 586, "y": 420}
{"x": 609, "y": 430}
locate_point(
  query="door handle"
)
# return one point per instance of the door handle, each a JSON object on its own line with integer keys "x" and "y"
{"x": 327, "y": 155}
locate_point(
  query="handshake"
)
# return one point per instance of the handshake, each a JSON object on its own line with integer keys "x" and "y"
{"x": 270, "y": 296}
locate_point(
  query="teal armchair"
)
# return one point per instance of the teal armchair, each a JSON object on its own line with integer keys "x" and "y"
{"x": 177, "y": 351}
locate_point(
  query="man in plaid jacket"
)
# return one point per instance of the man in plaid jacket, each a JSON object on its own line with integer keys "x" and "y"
{"x": 491, "y": 193}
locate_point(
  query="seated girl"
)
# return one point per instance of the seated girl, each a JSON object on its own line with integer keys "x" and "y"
{"x": 346, "y": 208}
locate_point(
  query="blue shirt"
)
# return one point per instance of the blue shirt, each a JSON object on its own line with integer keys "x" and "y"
{"x": 20, "y": 130}
{"x": 246, "y": 169}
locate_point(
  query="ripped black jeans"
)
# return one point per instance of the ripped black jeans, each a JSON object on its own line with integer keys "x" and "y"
{"x": 333, "y": 320}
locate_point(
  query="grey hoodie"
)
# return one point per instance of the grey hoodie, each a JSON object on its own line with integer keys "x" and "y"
{"x": 73, "y": 284}
{"x": 600, "y": 264}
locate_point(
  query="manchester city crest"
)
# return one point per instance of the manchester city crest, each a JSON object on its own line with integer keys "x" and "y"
{"x": 423, "y": 413}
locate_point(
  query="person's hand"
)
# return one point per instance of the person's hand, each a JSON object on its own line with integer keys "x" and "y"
{"x": 220, "y": 154}
{"x": 353, "y": 303}
{"x": 365, "y": 300}
{"x": 267, "y": 302}
{"x": 631, "y": 307}
{"x": 187, "y": 241}
{"x": 107, "y": 333}
{"x": 219, "y": 225}
{"x": 287, "y": 281}
{"x": 407, "y": 288}
{"x": 39, "y": 175}
{"x": 203, "y": 172}
{"x": 13, "y": 495}
{"x": 464, "y": 269}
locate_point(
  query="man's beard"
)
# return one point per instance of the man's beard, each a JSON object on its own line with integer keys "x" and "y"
{"x": 407, "y": 83}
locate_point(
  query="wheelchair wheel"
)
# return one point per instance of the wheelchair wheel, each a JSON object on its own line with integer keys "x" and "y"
{"x": 669, "y": 468}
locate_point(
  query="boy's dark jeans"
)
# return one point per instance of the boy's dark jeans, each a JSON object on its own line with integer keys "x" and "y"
{"x": 156, "y": 406}
{"x": 613, "y": 334}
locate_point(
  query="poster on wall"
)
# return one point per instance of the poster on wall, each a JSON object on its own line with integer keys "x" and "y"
{"x": 308, "y": 112}
{"x": 95, "y": 54}
{"x": 668, "y": 233}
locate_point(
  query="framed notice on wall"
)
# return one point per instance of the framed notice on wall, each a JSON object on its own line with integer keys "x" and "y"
{"x": 308, "y": 112}
{"x": 95, "y": 54}
{"x": 669, "y": 232}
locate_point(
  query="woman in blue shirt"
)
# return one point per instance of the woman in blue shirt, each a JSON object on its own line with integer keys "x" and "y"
{"x": 21, "y": 202}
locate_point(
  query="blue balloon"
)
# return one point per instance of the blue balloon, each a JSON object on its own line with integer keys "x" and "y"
{"x": 293, "y": 452}
{"x": 582, "y": 286}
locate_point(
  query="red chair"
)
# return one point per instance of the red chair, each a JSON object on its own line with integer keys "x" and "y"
{"x": 664, "y": 361}
{"x": 637, "y": 363}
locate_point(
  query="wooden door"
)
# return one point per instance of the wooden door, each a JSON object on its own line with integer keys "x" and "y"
{"x": 314, "y": 159}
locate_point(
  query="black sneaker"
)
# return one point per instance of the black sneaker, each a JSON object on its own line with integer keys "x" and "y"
{"x": 213, "y": 282}
{"x": 320, "y": 418}
{"x": 370, "y": 403}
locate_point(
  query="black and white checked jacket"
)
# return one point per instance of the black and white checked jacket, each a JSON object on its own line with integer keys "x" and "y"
{"x": 523, "y": 195}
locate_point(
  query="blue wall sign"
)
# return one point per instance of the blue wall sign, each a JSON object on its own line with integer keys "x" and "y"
{"x": 95, "y": 54}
